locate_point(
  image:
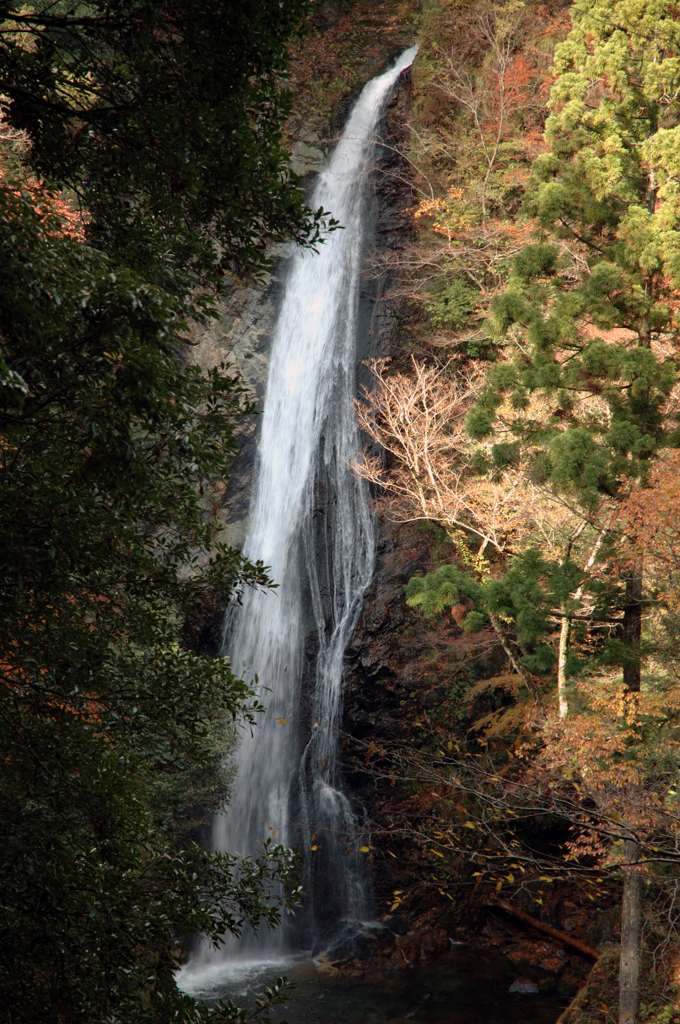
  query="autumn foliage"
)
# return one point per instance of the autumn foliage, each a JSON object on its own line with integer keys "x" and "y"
{"x": 544, "y": 310}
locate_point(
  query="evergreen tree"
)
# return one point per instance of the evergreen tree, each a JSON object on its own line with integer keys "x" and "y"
{"x": 582, "y": 393}
{"x": 587, "y": 322}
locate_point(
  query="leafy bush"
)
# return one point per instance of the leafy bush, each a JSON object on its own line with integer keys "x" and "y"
{"x": 453, "y": 306}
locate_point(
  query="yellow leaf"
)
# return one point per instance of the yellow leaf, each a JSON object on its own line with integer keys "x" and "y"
{"x": 392, "y": 854}
{"x": 314, "y": 847}
{"x": 365, "y": 849}
{"x": 510, "y": 878}
{"x": 437, "y": 853}
{"x": 282, "y": 721}
{"x": 499, "y": 886}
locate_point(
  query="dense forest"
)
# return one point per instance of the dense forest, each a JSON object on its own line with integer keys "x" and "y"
{"x": 531, "y": 412}
{"x": 528, "y": 423}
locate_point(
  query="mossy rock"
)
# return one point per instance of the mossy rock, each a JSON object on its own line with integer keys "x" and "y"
{"x": 600, "y": 990}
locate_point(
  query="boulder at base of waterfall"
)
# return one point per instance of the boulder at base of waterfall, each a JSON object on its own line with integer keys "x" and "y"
{"x": 522, "y": 987}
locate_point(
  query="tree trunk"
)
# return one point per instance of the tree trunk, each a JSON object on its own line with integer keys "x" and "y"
{"x": 516, "y": 664}
{"x": 632, "y": 629}
{"x": 562, "y": 650}
{"x": 570, "y": 940}
{"x": 631, "y": 935}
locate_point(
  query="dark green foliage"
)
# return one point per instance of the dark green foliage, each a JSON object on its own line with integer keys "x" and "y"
{"x": 479, "y": 422}
{"x": 505, "y": 455}
{"x": 524, "y": 598}
{"x": 535, "y": 261}
{"x": 452, "y": 307}
{"x": 108, "y": 729}
{"x": 474, "y": 622}
{"x": 587, "y": 452}
{"x": 439, "y": 590}
{"x": 164, "y": 120}
{"x": 585, "y": 325}
{"x": 164, "y": 116}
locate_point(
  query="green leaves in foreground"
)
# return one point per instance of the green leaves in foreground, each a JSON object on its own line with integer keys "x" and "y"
{"x": 113, "y": 737}
{"x": 164, "y": 117}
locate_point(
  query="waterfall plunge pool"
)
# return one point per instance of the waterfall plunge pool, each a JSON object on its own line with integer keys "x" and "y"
{"x": 465, "y": 986}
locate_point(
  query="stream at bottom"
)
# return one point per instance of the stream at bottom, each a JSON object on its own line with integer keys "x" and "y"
{"x": 465, "y": 986}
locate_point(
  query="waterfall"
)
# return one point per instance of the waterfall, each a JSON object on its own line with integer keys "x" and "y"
{"x": 311, "y": 522}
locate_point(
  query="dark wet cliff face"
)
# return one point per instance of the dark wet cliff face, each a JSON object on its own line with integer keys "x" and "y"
{"x": 388, "y": 231}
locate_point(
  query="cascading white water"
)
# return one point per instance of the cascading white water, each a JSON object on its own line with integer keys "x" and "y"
{"x": 309, "y": 436}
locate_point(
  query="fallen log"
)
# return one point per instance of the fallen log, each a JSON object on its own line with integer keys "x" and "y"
{"x": 547, "y": 928}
